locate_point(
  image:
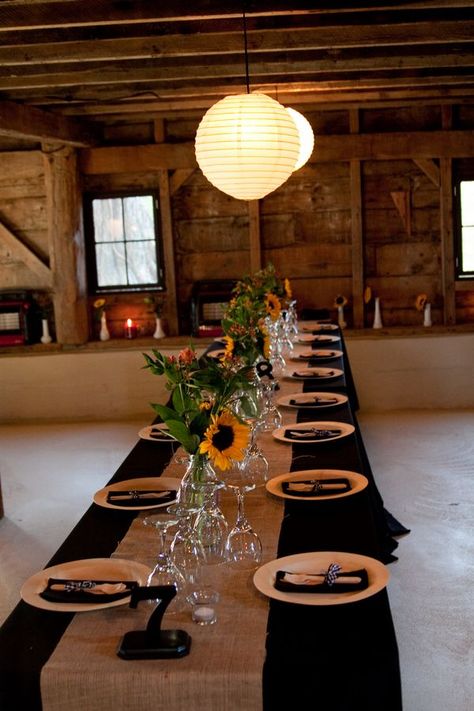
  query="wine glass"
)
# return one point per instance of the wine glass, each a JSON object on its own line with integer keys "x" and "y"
{"x": 255, "y": 459}
{"x": 165, "y": 571}
{"x": 270, "y": 418}
{"x": 210, "y": 524}
{"x": 186, "y": 549}
{"x": 243, "y": 547}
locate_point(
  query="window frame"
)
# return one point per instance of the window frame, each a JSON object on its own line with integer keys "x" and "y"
{"x": 90, "y": 243}
{"x": 465, "y": 174}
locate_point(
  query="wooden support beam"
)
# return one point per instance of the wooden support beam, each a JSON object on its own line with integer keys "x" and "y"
{"x": 401, "y": 200}
{"x": 66, "y": 244}
{"x": 25, "y": 255}
{"x": 429, "y": 168}
{"x": 137, "y": 159}
{"x": 357, "y": 231}
{"x": 447, "y": 246}
{"x": 394, "y": 146}
{"x": 179, "y": 177}
{"x": 30, "y": 122}
{"x": 254, "y": 236}
{"x": 168, "y": 252}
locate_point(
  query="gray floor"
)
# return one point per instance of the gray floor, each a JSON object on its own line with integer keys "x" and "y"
{"x": 423, "y": 463}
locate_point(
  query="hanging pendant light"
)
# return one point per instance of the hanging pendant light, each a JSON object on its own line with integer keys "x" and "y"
{"x": 306, "y": 135}
{"x": 247, "y": 145}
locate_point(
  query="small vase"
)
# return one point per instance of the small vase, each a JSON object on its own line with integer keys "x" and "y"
{"x": 340, "y": 317}
{"x": 377, "y": 316}
{"x": 104, "y": 334}
{"x": 159, "y": 333}
{"x": 199, "y": 472}
{"x": 45, "y": 338}
{"x": 427, "y": 316}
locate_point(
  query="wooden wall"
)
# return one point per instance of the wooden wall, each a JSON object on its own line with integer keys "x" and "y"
{"x": 334, "y": 227}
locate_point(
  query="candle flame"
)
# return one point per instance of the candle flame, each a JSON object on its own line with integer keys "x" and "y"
{"x": 129, "y": 323}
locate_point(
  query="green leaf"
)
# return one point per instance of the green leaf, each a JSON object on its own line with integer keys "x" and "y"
{"x": 180, "y": 432}
{"x": 166, "y": 413}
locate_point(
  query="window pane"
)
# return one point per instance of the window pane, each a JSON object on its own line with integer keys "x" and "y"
{"x": 111, "y": 264}
{"x": 142, "y": 267}
{"x": 108, "y": 222}
{"x": 139, "y": 217}
{"x": 468, "y": 249}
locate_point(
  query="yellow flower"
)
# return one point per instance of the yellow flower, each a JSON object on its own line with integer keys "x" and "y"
{"x": 367, "y": 294}
{"x": 229, "y": 348}
{"x": 272, "y": 305}
{"x": 420, "y": 302}
{"x": 224, "y": 440}
{"x": 340, "y": 300}
{"x": 205, "y": 405}
{"x": 99, "y": 303}
{"x": 287, "y": 287}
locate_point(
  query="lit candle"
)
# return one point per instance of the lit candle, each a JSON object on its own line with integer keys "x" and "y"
{"x": 130, "y": 329}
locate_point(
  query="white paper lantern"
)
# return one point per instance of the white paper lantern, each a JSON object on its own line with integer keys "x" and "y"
{"x": 306, "y": 137}
{"x": 247, "y": 145}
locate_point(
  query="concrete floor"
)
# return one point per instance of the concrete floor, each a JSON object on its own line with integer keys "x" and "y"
{"x": 423, "y": 462}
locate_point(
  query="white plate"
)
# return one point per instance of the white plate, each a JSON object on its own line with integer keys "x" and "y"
{"x": 357, "y": 482}
{"x": 311, "y": 355}
{"x": 345, "y": 428}
{"x": 314, "y": 373}
{"x": 284, "y": 400}
{"x": 86, "y": 569}
{"x": 160, "y": 432}
{"x": 308, "y": 327}
{"x": 309, "y": 338}
{"x": 317, "y": 562}
{"x": 162, "y": 482}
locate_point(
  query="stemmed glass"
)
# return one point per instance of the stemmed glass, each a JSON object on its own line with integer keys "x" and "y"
{"x": 186, "y": 549}
{"x": 210, "y": 524}
{"x": 270, "y": 417}
{"x": 243, "y": 547}
{"x": 255, "y": 459}
{"x": 165, "y": 571}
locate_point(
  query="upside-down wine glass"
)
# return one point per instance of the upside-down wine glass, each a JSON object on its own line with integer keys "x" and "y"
{"x": 243, "y": 547}
{"x": 165, "y": 571}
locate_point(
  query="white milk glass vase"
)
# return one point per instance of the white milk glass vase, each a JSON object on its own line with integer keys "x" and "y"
{"x": 104, "y": 334}
{"x": 45, "y": 338}
{"x": 427, "y": 316}
{"x": 159, "y": 332}
{"x": 378, "y": 315}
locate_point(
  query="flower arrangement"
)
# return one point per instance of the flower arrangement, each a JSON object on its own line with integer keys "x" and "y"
{"x": 100, "y": 307}
{"x": 420, "y": 302}
{"x": 340, "y": 301}
{"x": 204, "y": 395}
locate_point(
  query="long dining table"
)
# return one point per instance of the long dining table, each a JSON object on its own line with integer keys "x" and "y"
{"x": 263, "y": 652}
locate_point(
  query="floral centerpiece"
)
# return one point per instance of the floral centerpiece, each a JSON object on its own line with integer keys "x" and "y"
{"x": 205, "y": 396}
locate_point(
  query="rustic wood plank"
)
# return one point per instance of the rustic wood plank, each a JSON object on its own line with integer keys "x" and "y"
{"x": 66, "y": 239}
{"x": 430, "y": 169}
{"x": 401, "y": 200}
{"x": 30, "y": 122}
{"x": 254, "y": 236}
{"x": 178, "y": 178}
{"x": 168, "y": 253}
{"x": 25, "y": 255}
{"x": 356, "y": 231}
{"x": 386, "y": 146}
{"x": 447, "y": 246}
{"x": 137, "y": 159}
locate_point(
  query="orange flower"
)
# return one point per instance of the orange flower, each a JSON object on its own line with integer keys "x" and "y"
{"x": 420, "y": 302}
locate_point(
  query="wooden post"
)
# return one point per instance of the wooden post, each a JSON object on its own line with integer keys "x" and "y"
{"x": 356, "y": 232}
{"x": 168, "y": 252}
{"x": 446, "y": 228}
{"x": 254, "y": 236}
{"x": 66, "y": 243}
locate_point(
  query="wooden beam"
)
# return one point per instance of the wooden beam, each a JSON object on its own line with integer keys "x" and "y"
{"x": 137, "y": 159}
{"x": 430, "y": 169}
{"x": 447, "y": 241}
{"x": 179, "y": 177}
{"x": 25, "y": 255}
{"x": 254, "y": 236}
{"x": 357, "y": 236}
{"x": 394, "y": 146}
{"x": 168, "y": 253}
{"x": 66, "y": 240}
{"x": 401, "y": 200}
{"x": 30, "y": 122}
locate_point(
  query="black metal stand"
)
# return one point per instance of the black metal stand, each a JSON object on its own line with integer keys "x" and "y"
{"x": 154, "y": 643}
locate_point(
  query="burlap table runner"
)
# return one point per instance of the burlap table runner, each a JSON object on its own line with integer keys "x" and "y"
{"x": 224, "y": 669}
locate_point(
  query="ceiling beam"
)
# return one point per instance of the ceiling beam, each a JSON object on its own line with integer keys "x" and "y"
{"x": 33, "y": 123}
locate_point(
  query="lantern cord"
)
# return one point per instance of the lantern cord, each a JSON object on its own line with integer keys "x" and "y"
{"x": 247, "y": 80}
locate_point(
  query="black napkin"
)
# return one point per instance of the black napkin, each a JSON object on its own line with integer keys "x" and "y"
{"x": 298, "y": 374}
{"x": 141, "y": 497}
{"x": 318, "y": 583}
{"x": 316, "y": 487}
{"x": 314, "y": 402}
{"x": 303, "y": 435}
{"x": 68, "y": 590}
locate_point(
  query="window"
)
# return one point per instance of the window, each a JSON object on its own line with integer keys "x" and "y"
{"x": 123, "y": 246}
{"x": 464, "y": 193}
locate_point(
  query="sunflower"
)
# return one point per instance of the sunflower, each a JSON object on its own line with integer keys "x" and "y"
{"x": 99, "y": 303}
{"x": 367, "y": 294}
{"x": 229, "y": 348}
{"x": 287, "y": 287}
{"x": 272, "y": 305}
{"x": 340, "y": 300}
{"x": 420, "y": 302}
{"x": 224, "y": 440}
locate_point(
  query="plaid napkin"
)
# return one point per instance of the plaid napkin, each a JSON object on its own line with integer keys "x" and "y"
{"x": 314, "y": 402}
{"x": 87, "y": 591}
{"x": 310, "y": 434}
